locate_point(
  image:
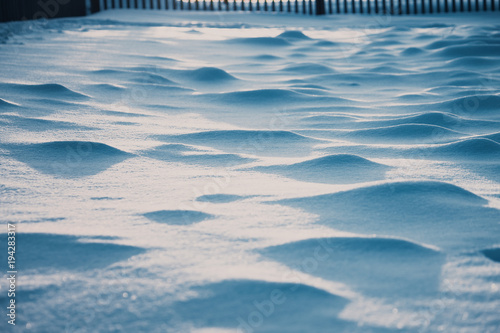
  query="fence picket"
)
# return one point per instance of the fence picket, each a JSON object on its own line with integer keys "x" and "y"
{"x": 17, "y": 9}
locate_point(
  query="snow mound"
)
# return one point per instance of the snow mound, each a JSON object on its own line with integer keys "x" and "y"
{"x": 467, "y": 50}
{"x": 440, "y": 44}
{"x": 94, "y": 149}
{"x": 220, "y": 198}
{"x": 258, "y": 97}
{"x": 420, "y": 210}
{"x": 325, "y": 43}
{"x": 133, "y": 75}
{"x": 308, "y": 68}
{"x": 242, "y": 136}
{"x": 51, "y": 252}
{"x": 412, "y": 51}
{"x": 37, "y": 124}
{"x": 336, "y": 160}
{"x": 492, "y": 254}
{"x": 255, "y": 142}
{"x": 176, "y": 153}
{"x": 330, "y": 119}
{"x": 266, "y": 57}
{"x": 474, "y": 148}
{"x": 386, "y": 69}
{"x": 177, "y": 217}
{"x": 209, "y": 75}
{"x": 393, "y": 265}
{"x": 110, "y": 92}
{"x": 443, "y": 119}
{"x": 291, "y": 34}
{"x": 110, "y": 88}
{"x": 260, "y": 41}
{"x": 473, "y": 104}
{"x": 336, "y": 169}
{"x": 312, "y": 309}
{"x": 431, "y": 118}
{"x": 466, "y": 106}
{"x": 473, "y": 61}
{"x": 68, "y": 158}
{"x": 174, "y": 148}
{"x": 50, "y": 90}
{"x": 408, "y": 191}
{"x": 405, "y": 133}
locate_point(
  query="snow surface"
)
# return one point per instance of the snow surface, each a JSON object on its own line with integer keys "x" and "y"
{"x": 209, "y": 172}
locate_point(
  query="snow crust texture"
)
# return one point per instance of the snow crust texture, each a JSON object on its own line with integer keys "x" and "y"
{"x": 201, "y": 172}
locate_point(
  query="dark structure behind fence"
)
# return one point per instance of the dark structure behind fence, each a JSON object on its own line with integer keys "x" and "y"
{"x": 15, "y": 10}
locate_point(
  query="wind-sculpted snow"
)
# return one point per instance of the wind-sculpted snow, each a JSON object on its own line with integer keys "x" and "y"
{"x": 207, "y": 75}
{"x": 260, "y": 42}
{"x": 325, "y": 44}
{"x": 180, "y": 153}
{"x": 470, "y": 50}
{"x": 6, "y": 105}
{"x": 263, "y": 97}
{"x": 132, "y": 75}
{"x": 67, "y": 158}
{"x": 420, "y": 211}
{"x": 412, "y": 52}
{"x": 242, "y": 136}
{"x": 336, "y": 120}
{"x": 265, "y": 57}
{"x": 207, "y": 172}
{"x": 393, "y": 265}
{"x": 108, "y": 88}
{"x": 248, "y": 141}
{"x": 53, "y": 252}
{"x": 177, "y": 217}
{"x": 444, "y": 120}
{"x": 48, "y": 90}
{"x": 478, "y": 105}
{"x": 470, "y": 149}
{"x": 408, "y": 133}
{"x": 308, "y": 68}
{"x": 387, "y": 69}
{"x": 474, "y": 62}
{"x": 494, "y": 137}
{"x": 235, "y": 305}
{"x": 333, "y": 169}
{"x": 38, "y": 125}
{"x": 492, "y": 254}
{"x": 220, "y": 198}
{"x": 293, "y": 35}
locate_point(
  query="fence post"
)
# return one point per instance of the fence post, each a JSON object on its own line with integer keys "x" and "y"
{"x": 320, "y": 7}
